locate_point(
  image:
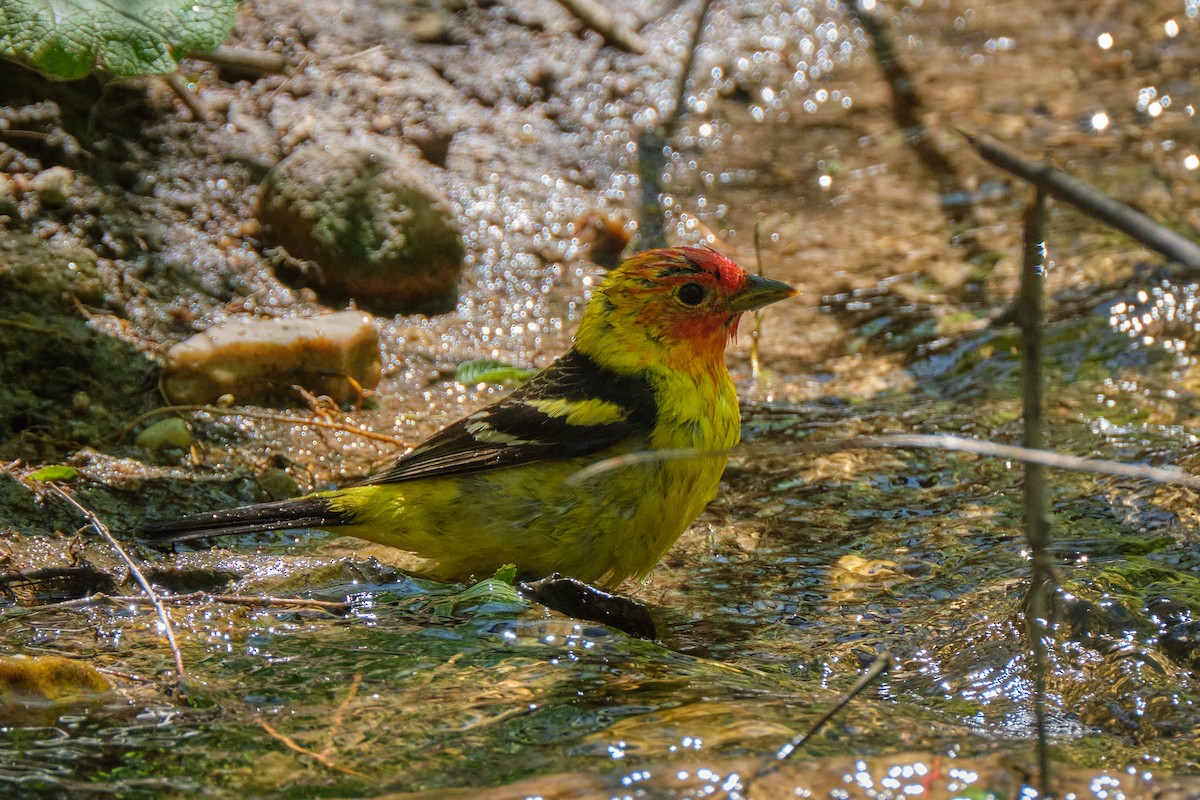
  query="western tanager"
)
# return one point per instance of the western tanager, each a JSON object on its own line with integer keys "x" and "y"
{"x": 646, "y": 372}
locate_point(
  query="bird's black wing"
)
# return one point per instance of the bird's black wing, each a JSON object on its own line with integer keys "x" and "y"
{"x": 573, "y": 408}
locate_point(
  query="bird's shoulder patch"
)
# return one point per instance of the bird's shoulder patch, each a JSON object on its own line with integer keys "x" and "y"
{"x": 573, "y": 408}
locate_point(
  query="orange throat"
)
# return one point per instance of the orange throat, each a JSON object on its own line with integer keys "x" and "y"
{"x": 699, "y": 342}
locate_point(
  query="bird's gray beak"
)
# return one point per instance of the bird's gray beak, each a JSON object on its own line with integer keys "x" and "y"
{"x": 759, "y": 292}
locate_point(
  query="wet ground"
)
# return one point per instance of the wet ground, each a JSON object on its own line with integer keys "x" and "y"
{"x": 816, "y": 557}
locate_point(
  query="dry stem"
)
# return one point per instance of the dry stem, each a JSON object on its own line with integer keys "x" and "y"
{"x": 1035, "y": 494}
{"x": 1094, "y": 203}
{"x": 268, "y": 415}
{"x": 600, "y": 19}
{"x": 877, "y": 668}
{"x": 163, "y": 616}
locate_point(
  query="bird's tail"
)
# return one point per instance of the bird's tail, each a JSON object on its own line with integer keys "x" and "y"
{"x": 302, "y": 512}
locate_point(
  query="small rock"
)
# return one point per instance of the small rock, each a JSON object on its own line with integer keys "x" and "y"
{"x": 169, "y": 432}
{"x": 336, "y": 354}
{"x": 1182, "y": 643}
{"x": 53, "y": 186}
{"x": 433, "y": 142}
{"x": 378, "y": 234}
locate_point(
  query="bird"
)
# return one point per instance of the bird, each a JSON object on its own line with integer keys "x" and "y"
{"x": 645, "y": 374}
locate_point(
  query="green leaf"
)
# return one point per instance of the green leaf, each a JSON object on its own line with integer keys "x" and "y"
{"x": 507, "y": 574}
{"x": 69, "y": 38}
{"x": 489, "y": 371}
{"x": 55, "y": 472}
{"x": 482, "y": 597}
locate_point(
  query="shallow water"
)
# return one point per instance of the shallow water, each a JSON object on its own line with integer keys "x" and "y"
{"x": 817, "y": 556}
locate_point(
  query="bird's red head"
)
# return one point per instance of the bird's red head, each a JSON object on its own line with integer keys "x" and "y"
{"x": 674, "y": 305}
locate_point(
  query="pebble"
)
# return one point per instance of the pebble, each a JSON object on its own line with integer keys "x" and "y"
{"x": 53, "y": 185}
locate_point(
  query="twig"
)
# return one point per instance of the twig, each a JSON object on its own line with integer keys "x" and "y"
{"x": 1057, "y": 183}
{"x": 350, "y": 58}
{"x": 268, "y": 415}
{"x": 260, "y": 62}
{"x": 25, "y": 326}
{"x": 1029, "y": 456}
{"x": 877, "y": 668}
{"x": 685, "y": 73}
{"x": 909, "y": 115}
{"x": 939, "y": 441}
{"x": 329, "y": 606}
{"x": 653, "y": 144}
{"x": 640, "y": 457}
{"x": 756, "y": 331}
{"x": 332, "y": 606}
{"x": 1035, "y": 493}
{"x": 163, "y": 616}
{"x": 600, "y": 19}
{"x": 652, "y": 149}
{"x": 335, "y": 724}
{"x": 24, "y": 611}
{"x": 320, "y": 758}
{"x": 189, "y": 98}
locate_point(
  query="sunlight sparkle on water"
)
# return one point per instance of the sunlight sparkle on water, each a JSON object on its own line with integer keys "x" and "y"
{"x": 1149, "y": 101}
{"x": 1105, "y": 40}
{"x": 1100, "y": 121}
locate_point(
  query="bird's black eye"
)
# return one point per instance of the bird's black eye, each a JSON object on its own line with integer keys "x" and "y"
{"x": 691, "y": 294}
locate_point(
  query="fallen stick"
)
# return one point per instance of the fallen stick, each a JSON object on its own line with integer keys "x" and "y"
{"x": 260, "y": 62}
{"x": 262, "y": 601}
{"x": 163, "y": 616}
{"x": 188, "y": 97}
{"x": 600, "y": 19}
{"x": 957, "y": 444}
{"x": 654, "y": 143}
{"x": 1057, "y": 183}
{"x": 288, "y": 419}
{"x": 878, "y": 667}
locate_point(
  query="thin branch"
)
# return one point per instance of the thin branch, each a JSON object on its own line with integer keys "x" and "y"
{"x": 320, "y": 758}
{"x": 331, "y": 606}
{"x": 957, "y": 444}
{"x": 1059, "y": 184}
{"x": 1035, "y": 492}
{"x": 756, "y": 331}
{"x": 1013, "y": 453}
{"x": 25, "y": 326}
{"x": 163, "y": 616}
{"x": 335, "y": 724}
{"x": 685, "y": 73}
{"x": 653, "y": 144}
{"x": 877, "y": 668}
{"x": 600, "y": 19}
{"x": 909, "y": 115}
{"x": 264, "y": 601}
{"x": 189, "y": 98}
{"x": 268, "y": 415}
{"x": 652, "y": 149}
{"x": 641, "y": 457}
{"x": 259, "y": 62}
